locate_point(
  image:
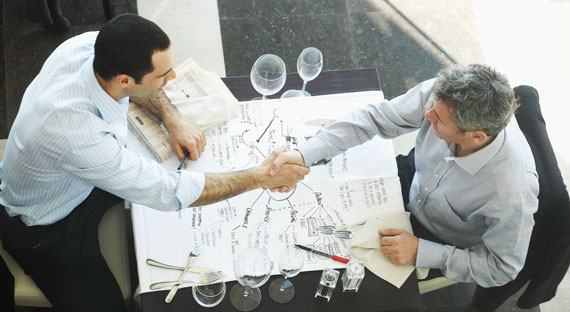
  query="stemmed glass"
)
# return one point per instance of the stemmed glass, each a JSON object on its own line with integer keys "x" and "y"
{"x": 309, "y": 66}
{"x": 252, "y": 268}
{"x": 291, "y": 262}
{"x": 209, "y": 295}
{"x": 268, "y": 75}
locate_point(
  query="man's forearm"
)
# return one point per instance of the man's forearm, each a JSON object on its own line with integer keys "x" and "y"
{"x": 160, "y": 106}
{"x": 225, "y": 185}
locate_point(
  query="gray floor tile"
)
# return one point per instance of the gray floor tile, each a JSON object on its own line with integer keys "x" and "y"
{"x": 246, "y": 39}
{"x": 402, "y": 62}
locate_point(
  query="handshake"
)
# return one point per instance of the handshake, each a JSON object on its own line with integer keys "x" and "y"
{"x": 282, "y": 169}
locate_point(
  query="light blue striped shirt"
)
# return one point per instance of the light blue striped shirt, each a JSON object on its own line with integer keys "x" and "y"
{"x": 69, "y": 136}
{"x": 482, "y": 204}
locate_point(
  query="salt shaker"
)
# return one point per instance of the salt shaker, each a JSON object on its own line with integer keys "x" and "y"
{"x": 353, "y": 276}
{"x": 327, "y": 284}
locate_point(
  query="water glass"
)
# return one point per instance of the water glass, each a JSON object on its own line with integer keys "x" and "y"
{"x": 268, "y": 74}
{"x": 291, "y": 262}
{"x": 252, "y": 269}
{"x": 309, "y": 66}
{"x": 209, "y": 295}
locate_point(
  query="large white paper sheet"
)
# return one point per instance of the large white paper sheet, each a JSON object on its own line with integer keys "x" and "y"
{"x": 359, "y": 184}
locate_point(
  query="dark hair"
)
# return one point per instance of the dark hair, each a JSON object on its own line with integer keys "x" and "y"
{"x": 481, "y": 97}
{"x": 125, "y": 45}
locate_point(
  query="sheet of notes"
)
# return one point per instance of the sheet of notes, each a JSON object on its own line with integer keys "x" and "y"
{"x": 356, "y": 185}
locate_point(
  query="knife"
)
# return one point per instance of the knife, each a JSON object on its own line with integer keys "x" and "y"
{"x": 335, "y": 258}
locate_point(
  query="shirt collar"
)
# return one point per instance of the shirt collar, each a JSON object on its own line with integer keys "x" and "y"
{"x": 110, "y": 109}
{"x": 112, "y": 112}
{"x": 473, "y": 162}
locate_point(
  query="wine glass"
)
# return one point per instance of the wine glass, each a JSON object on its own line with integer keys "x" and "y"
{"x": 291, "y": 262}
{"x": 268, "y": 75}
{"x": 252, "y": 268}
{"x": 209, "y": 295}
{"x": 309, "y": 66}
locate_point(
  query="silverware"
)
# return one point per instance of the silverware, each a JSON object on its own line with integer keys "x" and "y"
{"x": 205, "y": 278}
{"x": 329, "y": 229}
{"x": 343, "y": 234}
{"x": 191, "y": 257}
{"x": 192, "y": 269}
{"x": 155, "y": 263}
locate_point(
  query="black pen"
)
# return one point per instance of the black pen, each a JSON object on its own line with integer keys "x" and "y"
{"x": 183, "y": 161}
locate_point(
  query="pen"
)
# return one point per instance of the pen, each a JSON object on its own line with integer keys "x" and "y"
{"x": 335, "y": 258}
{"x": 183, "y": 161}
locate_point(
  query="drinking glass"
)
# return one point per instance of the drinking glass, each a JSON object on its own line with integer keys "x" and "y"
{"x": 252, "y": 269}
{"x": 291, "y": 262}
{"x": 309, "y": 66}
{"x": 268, "y": 75}
{"x": 209, "y": 295}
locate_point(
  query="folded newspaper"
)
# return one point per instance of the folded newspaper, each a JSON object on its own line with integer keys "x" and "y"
{"x": 197, "y": 94}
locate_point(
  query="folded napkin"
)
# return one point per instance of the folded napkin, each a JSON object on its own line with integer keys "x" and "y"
{"x": 201, "y": 95}
{"x": 365, "y": 245}
{"x": 209, "y": 111}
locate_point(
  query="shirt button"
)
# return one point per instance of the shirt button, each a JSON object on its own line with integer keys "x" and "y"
{"x": 419, "y": 201}
{"x": 435, "y": 175}
{"x": 425, "y": 188}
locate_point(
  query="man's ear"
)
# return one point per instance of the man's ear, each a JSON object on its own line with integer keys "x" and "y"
{"x": 123, "y": 80}
{"x": 478, "y": 135}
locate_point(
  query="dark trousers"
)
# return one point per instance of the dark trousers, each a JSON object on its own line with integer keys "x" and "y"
{"x": 64, "y": 258}
{"x": 6, "y": 288}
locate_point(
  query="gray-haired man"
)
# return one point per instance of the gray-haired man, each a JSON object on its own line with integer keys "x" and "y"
{"x": 472, "y": 188}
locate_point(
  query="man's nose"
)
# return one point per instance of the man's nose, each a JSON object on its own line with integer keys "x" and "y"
{"x": 171, "y": 76}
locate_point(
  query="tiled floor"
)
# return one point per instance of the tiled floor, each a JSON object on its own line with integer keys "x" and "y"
{"x": 407, "y": 41}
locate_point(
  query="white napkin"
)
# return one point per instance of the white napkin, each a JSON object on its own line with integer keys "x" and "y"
{"x": 365, "y": 245}
{"x": 209, "y": 111}
{"x": 201, "y": 95}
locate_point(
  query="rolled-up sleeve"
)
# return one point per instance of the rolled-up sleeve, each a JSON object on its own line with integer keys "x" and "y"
{"x": 111, "y": 167}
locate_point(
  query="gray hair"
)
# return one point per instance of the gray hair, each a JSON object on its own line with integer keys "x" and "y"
{"x": 481, "y": 98}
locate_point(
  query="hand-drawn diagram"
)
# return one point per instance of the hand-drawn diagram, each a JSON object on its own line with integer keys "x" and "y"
{"x": 347, "y": 190}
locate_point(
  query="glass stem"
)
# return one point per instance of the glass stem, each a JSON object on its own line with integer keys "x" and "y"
{"x": 246, "y": 292}
{"x": 263, "y": 97}
{"x": 304, "y": 85}
{"x": 282, "y": 288}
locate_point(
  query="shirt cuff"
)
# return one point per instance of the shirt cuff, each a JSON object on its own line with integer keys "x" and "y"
{"x": 430, "y": 255}
{"x": 190, "y": 187}
{"x": 313, "y": 151}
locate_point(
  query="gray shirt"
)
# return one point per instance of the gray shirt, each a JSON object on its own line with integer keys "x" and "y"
{"x": 482, "y": 204}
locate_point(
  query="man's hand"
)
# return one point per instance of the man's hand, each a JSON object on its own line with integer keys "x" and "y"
{"x": 184, "y": 134}
{"x": 286, "y": 177}
{"x": 292, "y": 157}
{"x": 399, "y": 246}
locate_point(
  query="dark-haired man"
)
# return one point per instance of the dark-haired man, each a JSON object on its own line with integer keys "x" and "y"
{"x": 472, "y": 187}
{"x": 66, "y": 161}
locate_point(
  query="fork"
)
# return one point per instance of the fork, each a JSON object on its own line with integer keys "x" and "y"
{"x": 327, "y": 229}
{"x": 205, "y": 278}
{"x": 192, "y": 269}
{"x": 191, "y": 257}
{"x": 331, "y": 229}
{"x": 343, "y": 234}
